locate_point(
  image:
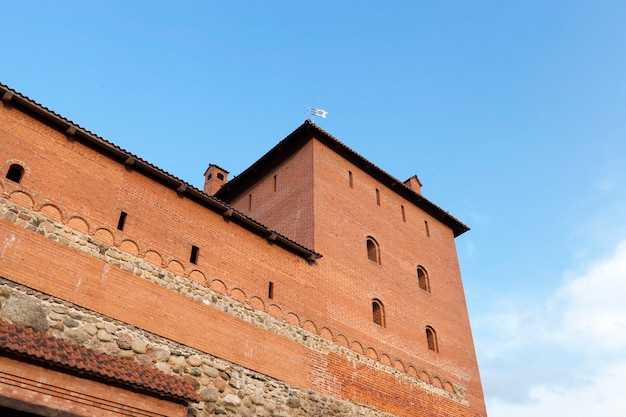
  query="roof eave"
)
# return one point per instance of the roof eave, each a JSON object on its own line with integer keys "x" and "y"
{"x": 75, "y": 132}
{"x": 308, "y": 131}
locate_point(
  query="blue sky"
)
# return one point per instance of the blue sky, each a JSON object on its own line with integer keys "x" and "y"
{"x": 512, "y": 114}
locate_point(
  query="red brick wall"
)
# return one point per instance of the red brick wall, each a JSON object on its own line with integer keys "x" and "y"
{"x": 348, "y": 281}
{"x": 80, "y": 187}
{"x": 288, "y": 207}
{"x": 345, "y": 217}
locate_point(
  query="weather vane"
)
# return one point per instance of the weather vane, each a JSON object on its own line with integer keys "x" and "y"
{"x": 315, "y": 112}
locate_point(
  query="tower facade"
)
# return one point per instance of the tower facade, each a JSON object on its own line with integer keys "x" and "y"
{"x": 313, "y": 283}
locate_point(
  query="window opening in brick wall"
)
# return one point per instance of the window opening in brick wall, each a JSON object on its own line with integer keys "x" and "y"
{"x": 194, "y": 254}
{"x": 373, "y": 252}
{"x": 220, "y": 176}
{"x": 378, "y": 196}
{"x": 274, "y": 184}
{"x": 121, "y": 221}
{"x": 431, "y": 338}
{"x": 350, "y": 179}
{"x": 426, "y": 228}
{"x": 422, "y": 279}
{"x": 270, "y": 290}
{"x": 403, "y": 213}
{"x": 15, "y": 173}
{"x": 249, "y": 201}
{"x": 378, "y": 312}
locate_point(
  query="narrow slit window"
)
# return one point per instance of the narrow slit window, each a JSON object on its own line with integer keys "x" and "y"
{"x": 274, "y": 184}
{"x": 431, "y": 339}
{"x": 15, "y": 173}
{"x": 194, "y": 254}
{"x": 249, "y": 201}
{"x": 378, "y": 196}
{"x": 350, "y": 179}
{"x": 121, "y": 221}
{"x": 378, "y": 312}
{"x": 270, "y": 290}
{"x": 403, "y": 213}
{"x": 426, "y": 228}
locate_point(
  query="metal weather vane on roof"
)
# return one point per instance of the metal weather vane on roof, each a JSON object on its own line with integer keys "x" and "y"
{"x": 315, "y": 112}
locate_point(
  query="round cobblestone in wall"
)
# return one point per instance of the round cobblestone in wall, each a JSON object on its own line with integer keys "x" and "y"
{"x": 24, "y": 312}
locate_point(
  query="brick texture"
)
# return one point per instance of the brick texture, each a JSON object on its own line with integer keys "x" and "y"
{"x": 310, "y": 201}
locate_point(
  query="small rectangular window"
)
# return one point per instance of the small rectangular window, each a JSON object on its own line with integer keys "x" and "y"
{"x": 426, "y": 227}
{"x": 121, "y": 221}
{"x": 194, "y": 254}
{"x": 378, "y": 196}
{"x": 403, "y": 213}
{"x": 274, "y": 186}
{"x": 249, "y": 201}
{"x": 270, "y": 290}
{"x": 350, "y": 180}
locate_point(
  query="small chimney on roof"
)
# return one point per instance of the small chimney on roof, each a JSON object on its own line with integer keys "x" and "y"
{"x": 414, "y": 184}
{"x": 214, "y": 178}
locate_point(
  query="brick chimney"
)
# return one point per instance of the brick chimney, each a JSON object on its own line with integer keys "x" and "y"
{"x": 214, "y": 178}
{"x": 414, "y": 184}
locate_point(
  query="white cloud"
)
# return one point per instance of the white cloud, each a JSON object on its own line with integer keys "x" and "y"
{"x": 595, "y": 306}
{"x": 564, "y": 355}
{"x": 603, "y": 396}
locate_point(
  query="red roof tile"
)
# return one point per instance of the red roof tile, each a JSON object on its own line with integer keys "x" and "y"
{"x": 34, "y": 344}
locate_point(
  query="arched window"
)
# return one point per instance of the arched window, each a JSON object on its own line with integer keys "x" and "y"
{"x": 373, "y": 253}
{"x": 422, "y": 279}
{"x": 431, "y": 339}
{"x": 15, "y": 173}
{"x": 378, "y": 312}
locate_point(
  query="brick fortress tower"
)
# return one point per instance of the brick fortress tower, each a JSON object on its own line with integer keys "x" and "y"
{"x": 313, "y": 283}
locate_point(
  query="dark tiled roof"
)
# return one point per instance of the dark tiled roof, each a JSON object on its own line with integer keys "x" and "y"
{"x": 24, "y": 341}
{"x": 76, "y": 132}
{"x": 306, "y": 132}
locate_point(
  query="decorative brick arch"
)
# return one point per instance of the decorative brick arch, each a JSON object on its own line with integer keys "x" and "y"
{"x": 22, "y": 198}
{"x": 371, "y": 353}
{"x": 399, "y": 365}
{"x": 293, "y": 319}
{"x": 257, "y": 303}
{"x": 275, "y": 311}
{"x": 356, "y": 346}
{"x": 342, "y": 341}
{"x": 79, "y": 224}
{"x": 309, "y": 326}
{"x": 176, "y": 267}
{"x": 218, "y": 286}
{"x": 52, "y": 212}
{"x": 197, "y": 276}
{"x": 130, "y": 247}
{"x": 153, "y": 257}
{"x": 104, "y": 235}
{"x": 326, "y": 333}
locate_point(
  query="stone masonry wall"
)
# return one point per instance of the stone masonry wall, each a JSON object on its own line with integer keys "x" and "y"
{"x": 225, "y": 388}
